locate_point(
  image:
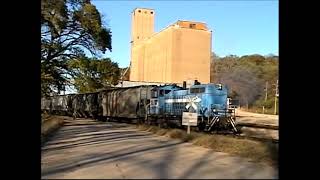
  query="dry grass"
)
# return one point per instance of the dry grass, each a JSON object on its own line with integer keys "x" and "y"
{"x": 256, "y": 150}
{"x": 259, "y": 110}
{"x": 44, "y": 117}
{"x": 48, "y": 125}
{"x": 172, "y": 133}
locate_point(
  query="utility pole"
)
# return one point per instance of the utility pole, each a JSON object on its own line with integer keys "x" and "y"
{"x": 266, "y": 96}
{"x": 275, "y": 99}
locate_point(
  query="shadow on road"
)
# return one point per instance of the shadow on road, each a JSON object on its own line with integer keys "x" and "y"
{"x": 93, "y": 134}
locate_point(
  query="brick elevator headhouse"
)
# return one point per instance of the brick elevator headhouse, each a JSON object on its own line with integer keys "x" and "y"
{"x": 179, "y": 52}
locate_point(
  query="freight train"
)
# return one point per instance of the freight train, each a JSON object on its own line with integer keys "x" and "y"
{"x": 151, "y": 104}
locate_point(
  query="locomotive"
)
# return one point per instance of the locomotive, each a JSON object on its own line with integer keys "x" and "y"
{"x": 151, "y": 104}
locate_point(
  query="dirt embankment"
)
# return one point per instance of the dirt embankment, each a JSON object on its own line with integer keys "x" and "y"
{"x": 50, "y": 124}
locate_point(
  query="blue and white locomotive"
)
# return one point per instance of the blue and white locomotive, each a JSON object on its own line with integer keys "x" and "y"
{"x": 209, "y": 101}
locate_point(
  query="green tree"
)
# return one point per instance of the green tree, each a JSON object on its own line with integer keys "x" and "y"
{"x": 213, "y": 59}
{"x": 222, "y": 65}
{"x": 94, "y": 74}
{"x": 233, "y": 94}
{"x": 69, "y": 28}
{"x": 247, "y": 76}
{"x": 125, "y": 73}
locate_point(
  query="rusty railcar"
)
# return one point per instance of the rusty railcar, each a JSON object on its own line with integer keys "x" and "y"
{"x": 59, "y": 104}
{"x": 90, "y": 101}
{"x": 128, "y": 102}
{"x": 120, "y": 102}
{"x": 46, "y": 104}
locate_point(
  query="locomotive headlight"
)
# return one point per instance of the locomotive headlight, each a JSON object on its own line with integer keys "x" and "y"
{"x": 214, "y": 110}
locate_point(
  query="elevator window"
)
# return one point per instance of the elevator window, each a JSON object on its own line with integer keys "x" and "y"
{"x": 192, "y": 25}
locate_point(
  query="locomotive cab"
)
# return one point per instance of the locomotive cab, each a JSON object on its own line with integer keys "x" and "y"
{"x": 158, "y": 97}
{"x": 212, "y": 106}
{"x": 212, "y": 98}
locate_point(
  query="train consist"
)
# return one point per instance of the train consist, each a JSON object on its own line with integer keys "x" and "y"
{"x": 150, "y": 104}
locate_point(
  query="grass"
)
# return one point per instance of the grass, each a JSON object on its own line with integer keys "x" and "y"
{"x": 49, "y": 124}
{"x": 257, "y": 151}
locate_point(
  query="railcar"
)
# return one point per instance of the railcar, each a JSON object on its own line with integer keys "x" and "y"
{"x": 125, "y": 103}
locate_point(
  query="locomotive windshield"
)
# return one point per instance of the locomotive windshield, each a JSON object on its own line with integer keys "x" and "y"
{"x": 197, "y": 90}
{"x": 219, "y": 86}
{"x": 163, "y": 92}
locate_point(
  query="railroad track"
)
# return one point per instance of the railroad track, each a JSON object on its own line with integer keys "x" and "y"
{"x": 241, "y": 136}
{"x": 248, "y": 131}
{"x": 259, "y": 132}
{"x": 255, "y": 125}
{"x": 258, "y": 138}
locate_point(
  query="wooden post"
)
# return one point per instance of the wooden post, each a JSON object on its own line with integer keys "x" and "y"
{"x": 188, "y": 130}
{"x": 275, "y": 105}
{"x": 275, "y": 99}
{"x": 266, "y": 97}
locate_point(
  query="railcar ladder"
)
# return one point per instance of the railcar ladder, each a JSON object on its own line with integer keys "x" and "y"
{"x": 211, "y": 122}
{"x": 233, "y": 123}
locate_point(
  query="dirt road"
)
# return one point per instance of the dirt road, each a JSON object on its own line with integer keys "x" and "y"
{"x": 88, "y": 149}
{"x": 244, "y": 117}
{"x": 249, "y": 117}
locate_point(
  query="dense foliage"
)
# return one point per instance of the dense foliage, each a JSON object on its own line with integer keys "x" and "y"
{"x": 247, "y": 77}
{"x": 69, "y": 30}
{"x": 94, "y": 74}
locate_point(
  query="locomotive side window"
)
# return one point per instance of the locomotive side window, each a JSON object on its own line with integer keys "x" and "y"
{"x": 167, "y": 91}
{"x": 161, "y": 93}
{"x": 197, "y": 90}
{"x": 154, "y": 102}
{"x": 192, "y": 26}
{"x": 154, "y": 94}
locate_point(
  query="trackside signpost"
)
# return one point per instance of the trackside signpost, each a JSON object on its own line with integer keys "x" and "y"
{"x": 189, "y": 119}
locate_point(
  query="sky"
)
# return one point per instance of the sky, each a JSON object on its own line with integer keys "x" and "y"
{"x": 239, "y": 27}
